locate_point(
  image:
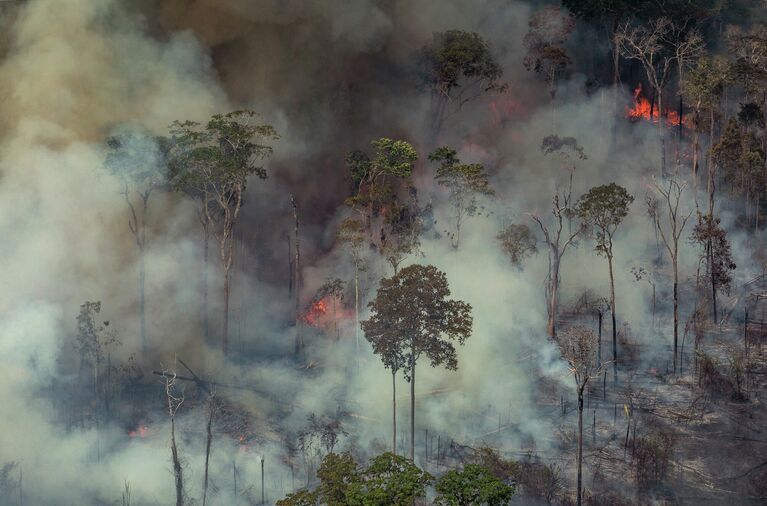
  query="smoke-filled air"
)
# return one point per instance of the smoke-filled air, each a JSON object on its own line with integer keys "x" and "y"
{"x": 383, "y": 252}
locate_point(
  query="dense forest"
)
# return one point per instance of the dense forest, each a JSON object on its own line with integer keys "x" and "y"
{"x": 234, "y": 233}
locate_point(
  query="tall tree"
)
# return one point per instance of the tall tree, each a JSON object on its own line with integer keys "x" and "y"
{"x": 465, "y": 184}
{"x": 709, "y": 234}
{"x": 352, "y": 234}
{"x": 216, "y": 160}
{"x": 602, "y": 209}
{"x": 659, "y": 45}
{"x": 413, "y": 315}
{"x": 557, "y": 239}
{"x": 549, "y": 29}
{"x": 457, "y": 67}
{"x": 670, "y": 221}
{"x": 702, "y": 88}
{"x": 139, "y": 160}
{"x": 579, "y": 346}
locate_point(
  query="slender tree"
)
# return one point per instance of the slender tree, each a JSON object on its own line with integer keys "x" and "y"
{"x": 712, "y": 238}
{"x": 352, "y": 234}
{"x": 549, "y": 29}
{"x": 466, "y": 183}
{"x": 579, "y": 346}
{"x": 412, "y": 314}
{"x": 670, "y": 221}
{"x": 602, "y": 209}
{"x": 216, "y": 160}
{"x": 139, "y": 160}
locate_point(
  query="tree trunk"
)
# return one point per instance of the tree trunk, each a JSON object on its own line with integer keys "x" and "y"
{"x": 599, "y": 340}
{"x": 207, "y": 453}
{"x": 142, "y": 300}
{"x": 205, "y": 259}
{"x": 356, "y": 315}
{"x": 676, "y": 313}
{"x": 661, "y": 136}
{"x": 580, "y": 444}
{"x": 554, "y": 292}
{"x": 612, "y": 314}
{"x": 412, "y": 409}
{"x": 393, "y": 413}
{"x": 177, "y": 470}
{"x": 299, "y": 344}
{"x": 712, "y": 272}
{"x": 225, "y": 326}
{"x": 710, "y": 184}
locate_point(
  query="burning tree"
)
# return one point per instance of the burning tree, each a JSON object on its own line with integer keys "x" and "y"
{"x": 331, "y": 291}
{"x": 709, "y": 234}
{"x": 412, "y": 316}
{"x": 602, "y": 209}
{"x": 457, "y": 67}
{"x": 215, "y": 161}
{"x": 545, "y": 41}
{"x": 659, "y": 45}
{"x": 465, "y": 183}
{"x": 579, "y": 346}
{"x": 139, "y": 161}
{"x": 670, "y": 222}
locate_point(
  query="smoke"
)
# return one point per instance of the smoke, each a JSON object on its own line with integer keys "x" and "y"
{"x": 330, "y": 76}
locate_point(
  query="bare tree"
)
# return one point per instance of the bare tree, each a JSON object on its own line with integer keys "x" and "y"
{"x": 659, "y": 45}
{"x": 670, "y": 222}
{"x": 174, "y": 401}
{"x": 579, "y": 349}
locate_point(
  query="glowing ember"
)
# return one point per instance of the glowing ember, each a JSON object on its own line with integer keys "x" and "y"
{"x": 644, "y": 110}
{"x": 141, "y": 431}
{"x": 316, "y": 311}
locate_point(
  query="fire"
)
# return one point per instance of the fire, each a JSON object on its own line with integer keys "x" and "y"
{"x": 504, "y": 109}
{"x": 643, "y": 109}
{"x": 316, "y": 311}
{"x": 141, "y": 431}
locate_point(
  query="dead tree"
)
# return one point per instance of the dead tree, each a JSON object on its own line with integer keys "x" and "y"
{"x": 299, "y": 344}
{"x": 670, "y": 223}
{"x": 174, "y": 401}
{"x": 579, "y": 349}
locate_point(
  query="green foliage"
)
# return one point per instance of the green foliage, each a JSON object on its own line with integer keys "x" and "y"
{"x": 474, "y": 486}
{"x": 412, "y": 316}
{"x": 458, "y": 65}
{"x": 336, "y": 473}
{"x": 389, "y": 480}
{"x": 489, "y": 458}
{"x": 740, "y": 154}
{"x": 708, "y": 233}
{"x": 704, "y": 84}
{"x": 464, "y": 182}
{"x": 603, "y": 208}
{"x": 518, "y": 243}
{"x": 92, "y": 336}
{"x": 300, "y": 498}
{"x": 218, "y": 157}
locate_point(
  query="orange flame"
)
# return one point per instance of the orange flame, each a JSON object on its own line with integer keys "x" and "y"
{"x": 644, "y": 110}
{"x": 316, "y": 311}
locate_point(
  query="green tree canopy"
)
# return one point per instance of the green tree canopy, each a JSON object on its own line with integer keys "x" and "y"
{"x": 474, "y": 486}
{"x": 603, "y": 208}
{"x": 389, "y": 480}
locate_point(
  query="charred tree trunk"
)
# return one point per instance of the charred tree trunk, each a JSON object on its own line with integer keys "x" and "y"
{"x": 209, "y": 440}
{"x": 580, "y": 444}
{"x": 553, "y": 294}
{"x": 299, "y": 344}
{"x": 676, "y": 313}
{"x": 225, "y": 327}
{"x": 612, "y": 314}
